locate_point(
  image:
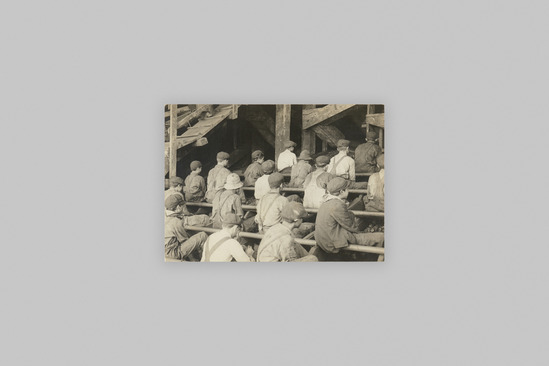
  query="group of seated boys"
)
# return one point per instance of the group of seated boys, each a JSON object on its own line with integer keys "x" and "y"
{"x": 278, "y": 218}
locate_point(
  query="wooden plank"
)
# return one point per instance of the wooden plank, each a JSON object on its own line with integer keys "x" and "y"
{"x": 350, "y": 247}
{"x": 328, "y": 134}
{"x": 282, "y": 127}
{"x": 309, "y": 210}
{"x": 184, "y": 121}
{"x": 326, "y": 115}
{"x": 377, "y": 119}
{"x": 308, "y": 137}
{"x": 180, "y": 111}
{"x": 173, "y": 140}
{"x": 234, "y": 111}
{"x": 302, "y": 190}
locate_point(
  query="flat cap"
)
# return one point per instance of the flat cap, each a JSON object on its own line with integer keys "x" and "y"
{"x": 371, "y": 135}
{"x": 231, "y": 219}
{"x": 288, "y": 144}
{"x": 322, "y": 160}
{"x": 195, "y": 165}
{"x": 268, "y": 166}
{"x": 304, "y": 155}
{"x": 173, "y": 201}
{"x": 275, "y": 180}
{"x": 293, "y": 211}
{"x": 343, "y": 143}
{"x": 257, "y": 154}
{"x": 323, "y": 179}
{"x": 175, "y": 181}
{"x": 222, "y": 155}
{"x": 337, "y": 185}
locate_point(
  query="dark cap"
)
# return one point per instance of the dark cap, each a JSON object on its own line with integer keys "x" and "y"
{"x": 343, "y": 143}
{"x": 304, "y": 155}
{"x": 257, "y": 154}
{"x": 293, "y": 211}
{"x": 175, "y": 181}
{"x": 231, "y": 219}
{"x": 323, "y": 179}
{"x": 268, "y": 166}
{"x": 222, "y": 155}
{"x": 195, "y": 165}
{"x": 322, "y": 160}
{"x": 275, "y": 180}
{"x": 288, "y": 144}
{"x": 337, "y": 185}
{"x": 173, "y": 201}
{"x": 371, "y": 135}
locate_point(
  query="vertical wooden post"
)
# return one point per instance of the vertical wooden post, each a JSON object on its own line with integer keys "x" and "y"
{"x": 173, "y": 140}
{"x": 282, "y": 127}
{"x": 308, "y": 137}
{"x": 380, "y": 137}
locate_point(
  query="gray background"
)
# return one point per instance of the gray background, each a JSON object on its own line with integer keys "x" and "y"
{"x": 82, "y": 94}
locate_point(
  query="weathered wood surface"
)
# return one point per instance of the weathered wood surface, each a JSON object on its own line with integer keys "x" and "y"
{"x": 173, "y": 141}
{"x": 377, "y": 119}
{"x": 282, "y": 127}
{"x": 329, "y": 134}
{"x": 308, "y": 137}
{"x": 261, "y": 121}
{"x": 325, "y": 115}
{"x": 180, "y": 111}
{"x": 302, "y": 190}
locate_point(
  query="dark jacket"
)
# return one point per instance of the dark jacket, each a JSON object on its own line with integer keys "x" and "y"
{"x": 365, "y": 157}
{"x": 334, "y": 225}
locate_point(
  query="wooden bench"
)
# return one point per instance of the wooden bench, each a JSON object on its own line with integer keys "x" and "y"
{"x": 351, "y": 247}
{"x": 302, "y": 190}
{"x": 309, "y": 210}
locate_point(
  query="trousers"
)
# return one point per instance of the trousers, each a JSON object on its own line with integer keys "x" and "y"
{"x": 174, "y": 249}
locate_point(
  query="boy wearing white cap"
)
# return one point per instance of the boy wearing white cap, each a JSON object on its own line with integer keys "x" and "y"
{"x": 228, "y": 201}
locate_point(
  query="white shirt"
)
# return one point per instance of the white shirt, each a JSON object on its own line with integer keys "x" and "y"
{"x": 345, "y": 168}
{"x": 286, "y": 159}
{"x": 225, "y": 252}
{"x": 262, "y": 186}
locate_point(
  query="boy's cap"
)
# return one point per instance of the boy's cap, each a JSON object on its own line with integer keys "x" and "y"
{"x": 195, "y": 165}
{"x": 288, "y": 144}
{"x": 233, "y": 181}
{"x": 173, "y": 201}
{"x": 222, "y": 155}
{"x": 323, "y": 179}
{"x": 174, "y": 181}
{"x": 322, "y": 160}
{"x": 343, "y": 143}
{"x": 257, "y": 154}
{"x": 231, "y": 219}
{"x": 293, "y": 211}
{"x": 337, "y": 185}
{"x": 371, "y": 135}
{"x": 275, "y": 180}
{"x": 268, "y": 166}
{"x": 304, "y": 155}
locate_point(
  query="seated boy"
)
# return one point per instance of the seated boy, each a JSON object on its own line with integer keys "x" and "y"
{"x": 222, "y": 245}
{"x": 335, "y": 226}
{"x": 195, "y": 186}
{"x": 342, "y": 165}
{"x": 262, "y": 183}
{"x": 375, "y": 198}
{"x": 177, "y": 243}
{"x": 313, "y": 192}
{"x": 301, "y": 170}
{"x": 366, "y": 154}
{"x": 227, "y": 201}
{"x": 217, "y": 175}
{"x": 278, "y": 244}
{"x": 254, "y": 170}
{"x": 270, "y": 205}
{"x": 287, "y": 158}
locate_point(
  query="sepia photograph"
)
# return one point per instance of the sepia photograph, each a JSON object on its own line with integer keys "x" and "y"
{"x": 274, "y": 183}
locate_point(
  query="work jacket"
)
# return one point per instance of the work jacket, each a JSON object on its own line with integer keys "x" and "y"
{"x": 365, "y": 157}
{"x": 253, "y": 171}
{"x": 277, "y": 245}
{"x": 216, "y": 180}
{"x": 195, "y": 187}
{"x": 334, "y": 225}
{"x": 299, "y": 173}
{"x": 224, "y": 203}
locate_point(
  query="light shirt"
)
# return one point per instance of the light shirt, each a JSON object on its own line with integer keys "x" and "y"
{"x": 225, "y": 252}
{"x": 376, "y": 185}
{"x": 345, "y": 166}
{"x": 269, "y": 208}
{"x": 262, "y": 186}
{"x": 277, "y": 245}
{"x": 286, "y": 159}
{"x": 314, "y": 194}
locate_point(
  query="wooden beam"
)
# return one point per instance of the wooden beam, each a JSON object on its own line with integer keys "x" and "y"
{"x": 282, "y": 127}
{"x": 173, "y": 140}
{"x": 308, "y": 137}
{"x": 180, "y": 111}
{"x": 184, "y": 121}
{"x": 326, "y": 115}
{"x": 234, "y": 111}
{"x": 377, "y": 119}
{"x": 328, "y": 134}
